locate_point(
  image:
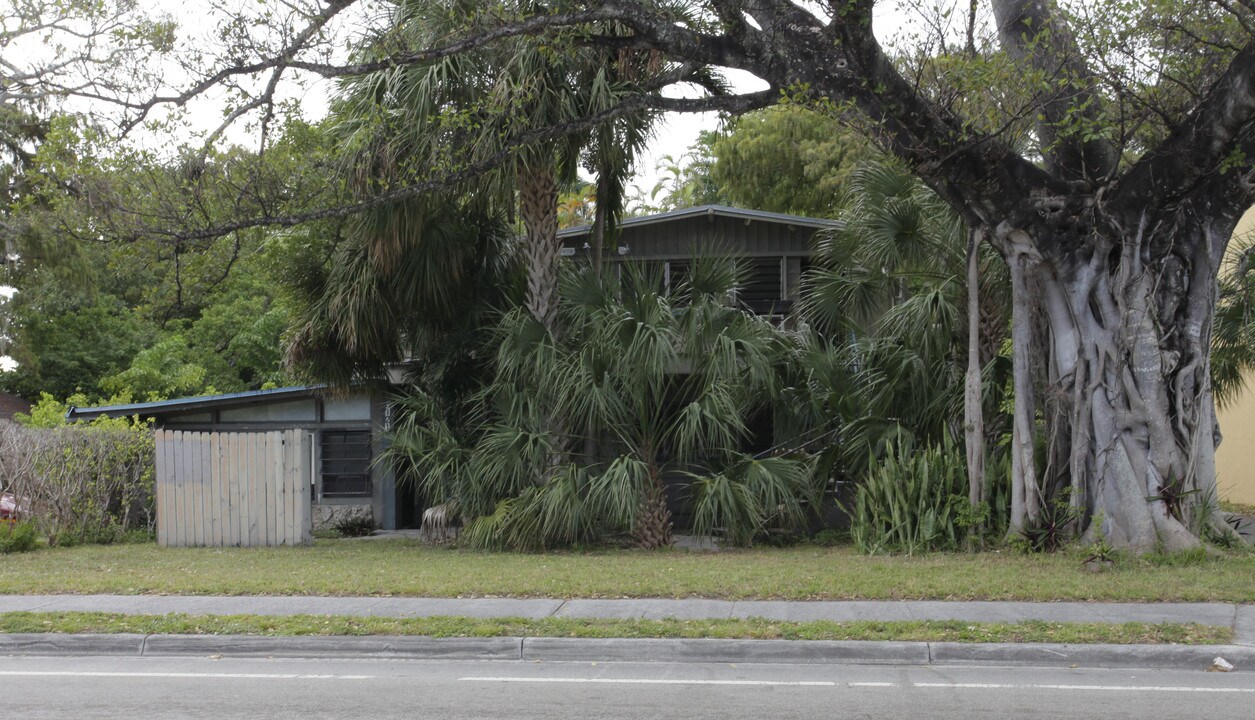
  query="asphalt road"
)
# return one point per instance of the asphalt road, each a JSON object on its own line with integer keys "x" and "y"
{"x": 73, "y": 688}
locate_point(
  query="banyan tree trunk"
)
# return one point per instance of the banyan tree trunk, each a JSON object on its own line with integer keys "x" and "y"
{"x": 1126, "y": 411}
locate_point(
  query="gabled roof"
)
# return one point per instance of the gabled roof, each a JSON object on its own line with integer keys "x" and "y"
{"x": 161, "y": 407}
{"x": 710, "y": 211}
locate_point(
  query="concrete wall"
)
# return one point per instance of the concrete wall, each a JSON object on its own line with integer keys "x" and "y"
{"x": 1235, "y": 458}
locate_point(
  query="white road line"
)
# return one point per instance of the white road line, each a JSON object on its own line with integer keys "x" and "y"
{"x": 245, "y": 676}
{"x": 646, "y": 681}
{"x": 1109, "y": 688}
{"x": 826, "y": 683}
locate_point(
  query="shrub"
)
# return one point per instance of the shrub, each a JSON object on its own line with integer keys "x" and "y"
{"x": 755, "y": 497}
{"x": 355, "y": 526}
{"x": 909, "y": 501}
{"x": 16, "y": 537}
{"x": 81, "y": 483}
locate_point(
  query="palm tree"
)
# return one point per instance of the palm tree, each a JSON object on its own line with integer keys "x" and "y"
{"x": 1233, "y": 337}
{"x": 461, "y": 109}
{"x": 887, "y": 295}
{"x": 666, "y": 385}
{"x": 425, "y": 300}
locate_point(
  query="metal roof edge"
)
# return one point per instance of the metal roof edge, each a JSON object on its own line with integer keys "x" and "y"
{"x": 721, "y": 210}
{"x": 189, "y": 403}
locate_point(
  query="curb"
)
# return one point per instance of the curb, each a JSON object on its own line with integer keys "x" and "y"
{"x": 822, "y": 652}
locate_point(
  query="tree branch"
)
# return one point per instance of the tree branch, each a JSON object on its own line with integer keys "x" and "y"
{"x": 1032, "y": 31}
{"x": 1215, "y": 139}
{"x": 279, "y": 62}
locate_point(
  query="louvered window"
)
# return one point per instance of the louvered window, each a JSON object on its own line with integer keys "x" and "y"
{"x": 763, "y": 292}
{"x": 345, "y": 463}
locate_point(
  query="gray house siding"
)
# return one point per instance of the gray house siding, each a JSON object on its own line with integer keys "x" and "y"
{"x": 773, "y": 247}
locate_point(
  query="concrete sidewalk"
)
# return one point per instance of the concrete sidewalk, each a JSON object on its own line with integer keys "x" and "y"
{"x": 1239, "y": 617}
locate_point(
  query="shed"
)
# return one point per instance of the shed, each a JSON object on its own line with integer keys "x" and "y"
{"x": 346, "y": 428}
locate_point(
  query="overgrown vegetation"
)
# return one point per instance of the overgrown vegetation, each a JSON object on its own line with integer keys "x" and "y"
{"x": 550, "y": 424}
{"x": 914, "y": 500}
{"x": 90, "y": 483}
{"x": 575, "y": 438}
{"x": 355, "y": 526}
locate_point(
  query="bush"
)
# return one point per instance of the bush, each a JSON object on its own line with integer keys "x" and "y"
{"x": 355, "y": 526}
{"x": 81, "y": 483}
{"x": 16, "y": 537}
{"x": 910, "y": 501}
{"x": 754, "y": 498}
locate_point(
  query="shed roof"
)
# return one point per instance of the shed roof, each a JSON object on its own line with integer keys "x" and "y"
{"x": 161, "y": 407}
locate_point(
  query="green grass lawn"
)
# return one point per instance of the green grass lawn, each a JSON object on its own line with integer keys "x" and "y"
{"x": 751, "y": 628}
{"x": 354, "y": 567}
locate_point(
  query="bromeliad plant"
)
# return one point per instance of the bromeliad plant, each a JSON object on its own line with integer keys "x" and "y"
{"x": 579, "y": 431}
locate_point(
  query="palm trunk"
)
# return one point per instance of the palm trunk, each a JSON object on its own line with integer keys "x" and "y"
{"x": 653, "y": 520}
{"x": 600, "y": 219}
{"x": 538, "y": 205}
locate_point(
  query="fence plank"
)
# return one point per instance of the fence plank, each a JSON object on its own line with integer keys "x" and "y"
{"x": 241, "y": 491}
{"x": 260, "y": 480}
{"x": 207, "y": 496}
{"x": 215, "y": 488}
{"x": 159, "y": 485}
{"x": 292, "y": 481}
{"x": 224, "y": 486}
{"x": 278, "y": 498}
{"x": 285, "y": 482}
{"x": 273, "y": 468}
{"x": 172, "y": 497}
{"x": 261, "y": 471}
{"x": 197, "y": 535}
{"x": 246, "y": 499}
{"x": 198, "y": 487}
{"x": 181, "y": 498}
{"x": 233, "y": 488}
{"x": 191, "y": 476}
{"x": 294, "y": 497}
{"x": 305, "y": 478}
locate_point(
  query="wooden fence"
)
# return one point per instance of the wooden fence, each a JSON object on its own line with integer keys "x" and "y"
{"x": 233, "y": 488}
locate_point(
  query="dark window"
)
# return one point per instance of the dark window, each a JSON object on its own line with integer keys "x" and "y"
{"x": 345, "y": 463}
{"x": 763, "y": 292}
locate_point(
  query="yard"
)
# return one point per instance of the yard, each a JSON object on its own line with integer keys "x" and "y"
{"x": 406, "y": 568}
